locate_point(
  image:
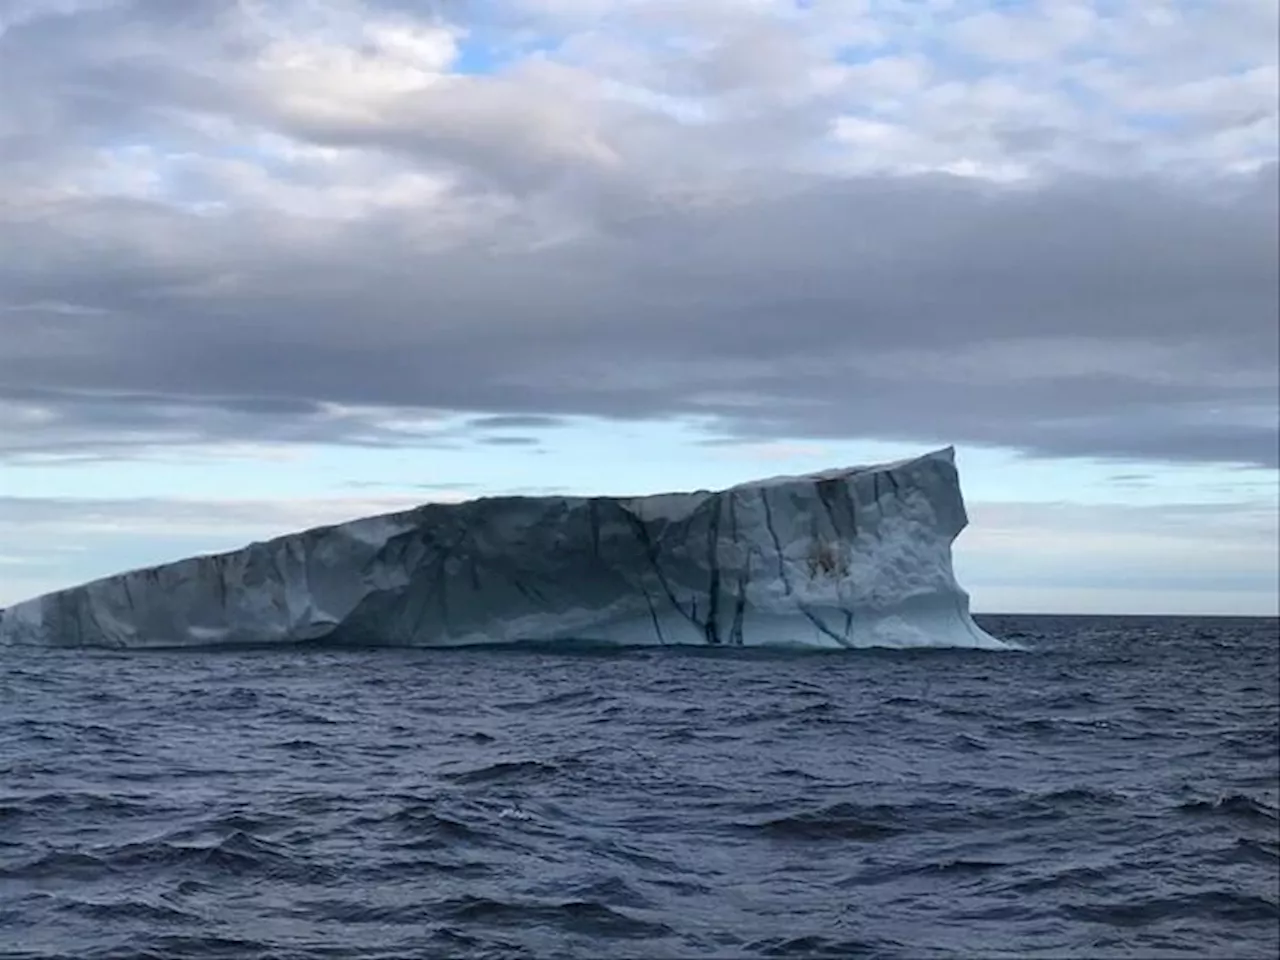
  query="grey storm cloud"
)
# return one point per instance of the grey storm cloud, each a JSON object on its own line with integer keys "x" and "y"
{"x": 510, "y": 441}
{"x": 513, "y": 422}
{"x": 540, "y": 250}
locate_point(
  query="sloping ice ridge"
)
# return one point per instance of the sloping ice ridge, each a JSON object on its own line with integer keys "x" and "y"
{"x": 854, "y": 557}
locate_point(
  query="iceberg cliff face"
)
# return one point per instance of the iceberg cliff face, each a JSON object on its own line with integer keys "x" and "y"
{"x": 847, "y": 558}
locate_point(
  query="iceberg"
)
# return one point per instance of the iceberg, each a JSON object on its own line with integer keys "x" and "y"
{"x": 853, "y": 557}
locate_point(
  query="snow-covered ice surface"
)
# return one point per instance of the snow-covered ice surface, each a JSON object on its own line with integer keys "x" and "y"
{"x": 856, "y": 557}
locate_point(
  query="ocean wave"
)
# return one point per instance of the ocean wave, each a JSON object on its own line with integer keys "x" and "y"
{"x": 1215, "y": 904}
{"x": 570, "y": 916}
{"x": 815, "y": 946}
{"x": 510, "y": 771}
{"x": 1236, "y": 806}
{"x": 840, "y": 821}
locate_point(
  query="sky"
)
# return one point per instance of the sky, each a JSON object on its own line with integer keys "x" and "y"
{"x": 265, "y": 265}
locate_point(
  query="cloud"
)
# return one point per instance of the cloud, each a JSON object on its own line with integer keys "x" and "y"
{"x": 1051, "y": 228}
{"x": 509, "y": 441}
{"x": 1131, "y": 480}
{"x": 513, "y": 422}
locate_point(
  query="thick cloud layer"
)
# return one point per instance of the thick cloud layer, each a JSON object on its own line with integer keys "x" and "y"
{"x": 1052, "y": 228}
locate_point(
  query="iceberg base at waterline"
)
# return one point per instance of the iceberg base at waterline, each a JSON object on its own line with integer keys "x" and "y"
{"x": 854, "y": 557}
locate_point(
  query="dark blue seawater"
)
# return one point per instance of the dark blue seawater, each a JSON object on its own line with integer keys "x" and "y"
{"x": 1112, "y": 792}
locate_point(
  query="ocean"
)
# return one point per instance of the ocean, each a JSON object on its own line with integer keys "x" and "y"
{"x": 1111, "y": 791}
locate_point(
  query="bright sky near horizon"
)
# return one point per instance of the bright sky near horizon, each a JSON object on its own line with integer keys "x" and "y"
{"x": 265, "y": 265}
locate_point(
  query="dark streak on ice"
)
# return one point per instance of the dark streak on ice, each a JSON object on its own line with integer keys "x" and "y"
{"x": 777, "y": 544}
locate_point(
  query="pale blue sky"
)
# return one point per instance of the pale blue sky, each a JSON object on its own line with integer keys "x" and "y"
{"x": 271, "y": 263}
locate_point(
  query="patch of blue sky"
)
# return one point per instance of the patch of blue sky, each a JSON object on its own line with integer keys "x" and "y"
{"x": 930, "y": 45}
{"x": 854, "y": 54}
{"x": 486, "y": 50}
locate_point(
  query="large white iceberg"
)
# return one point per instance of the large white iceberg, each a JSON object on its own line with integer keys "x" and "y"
{"x": 854, "y": 557}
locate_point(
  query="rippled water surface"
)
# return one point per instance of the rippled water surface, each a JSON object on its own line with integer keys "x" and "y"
{"x": 1111, "y": 792}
